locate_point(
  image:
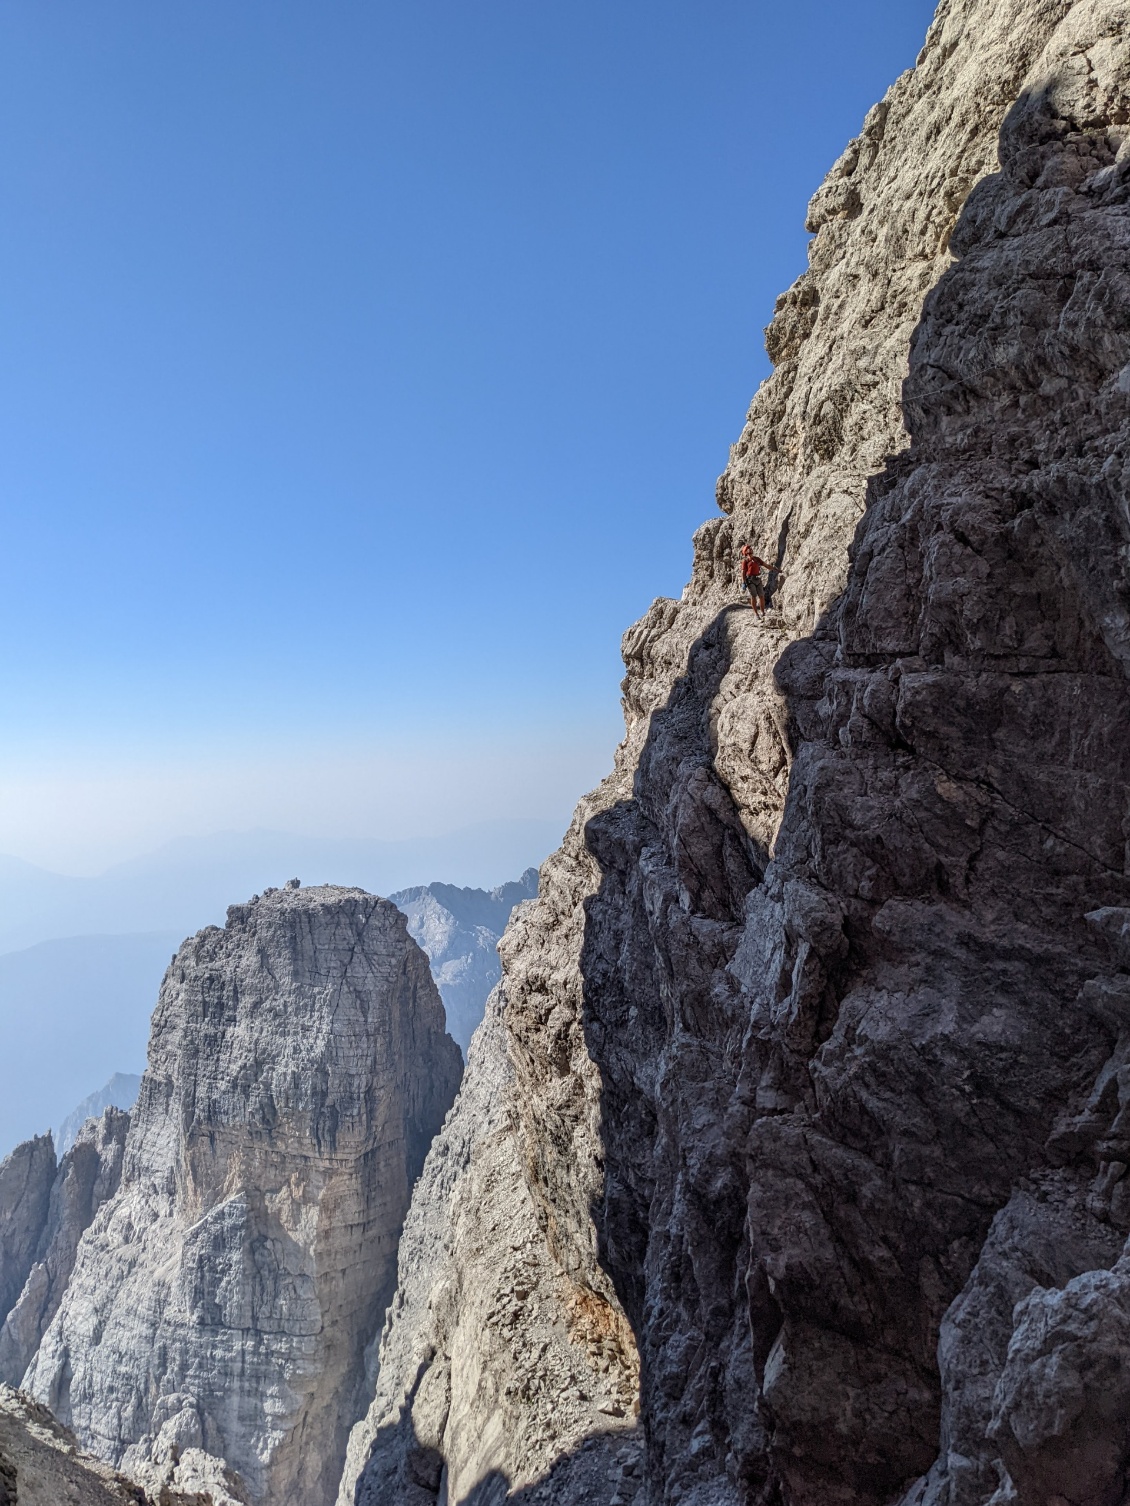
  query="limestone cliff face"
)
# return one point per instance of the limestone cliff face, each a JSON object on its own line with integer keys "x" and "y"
{"x": 493, "y": 1365}
{"x": 818, "y": 1061}
{"x": 26, "y": 1179}
{"x": 220, "y": 1303}
{"x": 87, "y": 1176}
{"x": 42, "y": 1465}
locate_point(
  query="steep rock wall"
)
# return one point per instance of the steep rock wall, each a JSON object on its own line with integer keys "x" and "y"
{"x": 88, "y": 1176}
{"x": 493, "y": 1365}
{"x": 819, "y": 1066}
{"x": 26, "y": 1179}
{"x": 298, "y": 1069}
{"x": 827, "y": 1056}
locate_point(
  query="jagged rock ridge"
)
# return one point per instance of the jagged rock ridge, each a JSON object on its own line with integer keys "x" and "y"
{"x": 808, "y": 1011}
{"x": 86, "y": 1177}
{"x": 460, "y": 929}
{"x": 221, "y": 1301}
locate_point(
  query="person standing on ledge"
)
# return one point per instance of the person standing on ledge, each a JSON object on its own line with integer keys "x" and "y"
{"x": 755, "y": 577}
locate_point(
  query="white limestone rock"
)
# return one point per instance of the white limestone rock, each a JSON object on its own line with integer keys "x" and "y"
{"x": 27, "y": 1176}
{"x": 221, "y": 1301}
{"x": 87, "y": 1176}
{"x": 41, "y": 1464}
{"x": 494, "y": 1366}
{"x": 813, "y": 1051}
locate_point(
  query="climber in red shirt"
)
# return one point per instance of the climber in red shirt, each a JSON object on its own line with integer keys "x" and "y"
{"x": 753, "y": 579}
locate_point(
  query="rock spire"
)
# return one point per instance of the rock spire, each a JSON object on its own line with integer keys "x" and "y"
{"x": 222, "y": 1300}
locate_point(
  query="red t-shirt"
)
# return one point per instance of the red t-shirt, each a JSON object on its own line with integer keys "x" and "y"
{"x": 752, "y": 566}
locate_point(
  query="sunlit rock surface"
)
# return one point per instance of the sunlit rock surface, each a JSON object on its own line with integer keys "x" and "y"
{"x": 87, "y": 1176}
{"x": 41, "y": 1464}
{"x": 221, "y": 1302}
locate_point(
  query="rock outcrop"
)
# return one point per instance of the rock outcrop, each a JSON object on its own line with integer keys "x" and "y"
{"x": 87, "y": 1176}
{"x": 460, "y": 930}
{"x": 221, "y": 1301}
{"x": 819, "y": 1067}
{"x": 42, "y": 1465}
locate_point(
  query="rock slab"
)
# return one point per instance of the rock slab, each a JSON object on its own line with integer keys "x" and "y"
{"x": 494, "y": 1366}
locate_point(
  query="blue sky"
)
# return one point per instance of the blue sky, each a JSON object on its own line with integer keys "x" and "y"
{"x": 364, "y": 371}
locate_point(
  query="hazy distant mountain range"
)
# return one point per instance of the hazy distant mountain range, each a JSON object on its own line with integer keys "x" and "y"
{"x": 459, "y": 930}
{"x": 189, "y": 883}
{"x": 119, "y": 1093}
{"x": 72, "y": 1013}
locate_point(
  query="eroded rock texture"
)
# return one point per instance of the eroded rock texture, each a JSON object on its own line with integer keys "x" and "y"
{"x": 42, "y": 1465}
{"x": 819, "y": 1065}
{"x": 220, "y": 1303}
{"x": 493, "y": 1365}
{"x": 87, "y": 1176}
{"x": 26, "y": 1179}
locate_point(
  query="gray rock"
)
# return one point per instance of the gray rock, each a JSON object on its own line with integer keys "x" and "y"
{"x": 460, "y": 929}
{"x": 819, "y": 1066}
{"x": 26, "y": 1179}
{"x": 88, "y": 1176}
{"x": 119, "y": 1093}
{"x": 493, "y": 1365}
{"x": 221, "y": 1301}
{"x": 1061, "y": 1403}
{"x": 41, "y": 1464}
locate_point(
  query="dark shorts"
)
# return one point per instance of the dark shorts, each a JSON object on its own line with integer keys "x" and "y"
{"x": 755, "y": 585}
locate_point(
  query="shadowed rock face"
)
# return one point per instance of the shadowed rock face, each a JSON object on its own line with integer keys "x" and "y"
{"x": 298, "y": 1069}
{"x": 820, "y": 1069}
{"x": 838, "y": 1077}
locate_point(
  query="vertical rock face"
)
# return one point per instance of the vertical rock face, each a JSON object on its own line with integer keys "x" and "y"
{"x": 87, "y": 1177}
{"x": 26, "y": 1179}
{"x": 819, "y": 1065}
{"x": 493, "y": 1365}
{"x": 298, "y": 1069}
